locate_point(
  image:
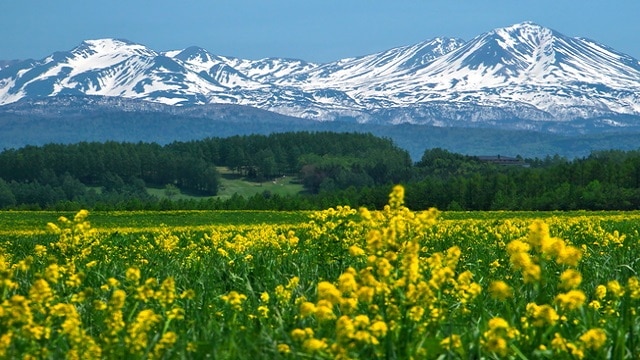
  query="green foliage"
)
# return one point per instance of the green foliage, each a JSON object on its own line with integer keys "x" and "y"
{"x": 262, "y": 284}
{"x": 305, "y": 170}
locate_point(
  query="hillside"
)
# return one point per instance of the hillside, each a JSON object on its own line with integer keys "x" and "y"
{"x": 51, "y": 124}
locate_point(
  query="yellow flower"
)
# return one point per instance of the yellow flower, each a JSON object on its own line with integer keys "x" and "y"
{"x": 542, "y": 315}
{"x": 498, "y": 323}
{"x": 40, "y": 292}
{"x": 364, "y": 337}
{"x": 299, "y": 334}
{"x": 263, "y": 311}
{"x": 324, "y": 310}
{"x": 378, "y": 328}
{"x": 37, "y": 332}
{"x": 451, "y": 342}
{"x": 500, "y": 290}
{"x": 571, "y": 300}
{"x": 133, "y": 274}
{"x": 234, "y": 299}
{"x": 531, "y": 273}
{"x": 615, "y": 288}
{"x": 52, "y": 273}
{"x": 396, "y": 198}
{"x": 574, "y": 350}
{"x": 307, "y": 308}
{"x": 347, "y": 281}
{"x": 495, "y": 265}
{"x": 374, "y": 241}
{"x": 165, "y": 343}
{"x": 328, "y": 291}
{"x": 167, "y": 292}
{"x": 595, "y": 305}
{"x": 384, "y": 267}
{"x": 570, "y": 256}
{"x": 283, "y": 349}
{"x": 314, "y": 345}
{"x": 40, "y": 250}
{"x": 175, "y": 313}
{"x": 112, "y": 282}
{"x": 601, "y": 292}
{"x": 538, "y": 232}
{"x": 137, "y": 333}
{"x": 365, "y": 294}
{"x": 497, "y": 345}
{"x": 293, "y": 283}
{"x": 495, "y": 338}
{"x": 633, "y": 284}
{"x": 348, "y": 305}
{"x": 345, "y": 328}
{"x": 361, "y": 321}
{"x": 594, "y": 338}
{"x": 81, "y": 216}
{"x": 415, "y": 313}
{"x": 517, "y": 246}
{"x": 356, "y": 251}
{"x": 53, "y": 228}
{"x": 74, "y": 280}
{"x": 559, "y": 343}
{"x": 117, "y": 299}
{"x": 570, "y": 279}
{"x": 99, "y": 305}
{"x": 188, "y": 294}
{"x": 5, "y": 343}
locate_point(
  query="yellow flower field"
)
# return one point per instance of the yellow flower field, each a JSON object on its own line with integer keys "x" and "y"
{"x": 344, "y": 284}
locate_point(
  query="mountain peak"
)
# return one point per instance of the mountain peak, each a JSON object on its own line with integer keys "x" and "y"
{"x": 110, "y": 45}
{"x": 114, "y": 42}
{"x": 526, "y": 25}
{"x": 525, "y": 31}
{"x": 194, "y": 53}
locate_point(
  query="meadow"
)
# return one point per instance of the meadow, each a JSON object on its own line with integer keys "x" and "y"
{"x": 341, "y": 283}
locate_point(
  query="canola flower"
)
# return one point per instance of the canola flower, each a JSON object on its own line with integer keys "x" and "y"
{"x": 62, "y": 308}
{"x": 347, "y": 284}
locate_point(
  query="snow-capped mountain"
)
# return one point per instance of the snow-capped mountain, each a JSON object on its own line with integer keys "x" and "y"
{"x": 565, "y": 78}
{"x": 521, "y": 76}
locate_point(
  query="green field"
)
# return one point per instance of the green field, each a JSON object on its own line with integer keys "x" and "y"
{"x": 338, "y": 283}
{"x": 32, "y": 221}
{"x": 232, "y": 183}
{"x": 36, "y": 221}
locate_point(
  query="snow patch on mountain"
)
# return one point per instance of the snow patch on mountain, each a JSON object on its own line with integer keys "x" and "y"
{"x": 519, "y": 74}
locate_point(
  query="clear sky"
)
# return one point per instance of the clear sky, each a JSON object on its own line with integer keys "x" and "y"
{"x": 312, "y": 30}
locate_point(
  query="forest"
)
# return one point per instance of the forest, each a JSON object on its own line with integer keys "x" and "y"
{"x": 353, "y": 169}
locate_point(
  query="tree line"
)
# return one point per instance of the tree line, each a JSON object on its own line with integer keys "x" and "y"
{"x": 353, "y": 169}
{"x": 117, "y": 174}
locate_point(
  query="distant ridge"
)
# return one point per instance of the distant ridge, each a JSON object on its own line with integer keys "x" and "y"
{"x": 523, "y": 76}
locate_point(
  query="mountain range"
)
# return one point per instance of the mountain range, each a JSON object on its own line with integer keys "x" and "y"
{"x": 520, "y": 77}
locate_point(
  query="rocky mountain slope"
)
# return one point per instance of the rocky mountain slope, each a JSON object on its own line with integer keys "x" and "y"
{"x": 524, "y": 76}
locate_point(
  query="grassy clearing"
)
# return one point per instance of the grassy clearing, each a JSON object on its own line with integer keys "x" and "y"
{"x": 233, "y": 183}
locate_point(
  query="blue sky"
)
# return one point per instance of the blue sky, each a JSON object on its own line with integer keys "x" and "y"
{"x": 313, "y": 30}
